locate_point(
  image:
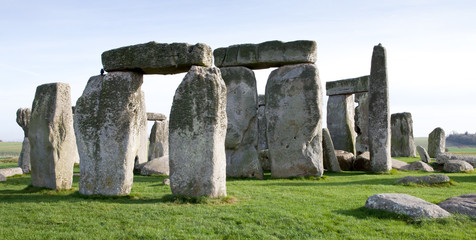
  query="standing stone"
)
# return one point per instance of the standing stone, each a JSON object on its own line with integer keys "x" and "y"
{"x": 197, "y": 132}
{"x": 340, "y": 121}
{"x": 294, "y": 121}
{"x": 262, "y": 140}
{"x": 159, "y": 139}
{"x": 330, "y": 160}
{"x": 403, "y": 144}
{"x": 362, "y": 122}
{"x": 436, "y": 142}
{"x": 379, "y": 113}
{"x": 423, "y": 154}
{"x": 109, "y": 119}
{"x": 242, "y": 131}
{"x": 52, "y": 139}
{"x": 23, "y": 120}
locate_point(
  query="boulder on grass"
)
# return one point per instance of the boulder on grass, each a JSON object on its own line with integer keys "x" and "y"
{"x": 418, "y": 165}
{"x": 423, "y": 154}
{"x": 455, "y": 166}
{"x": 430, "y": 179}
{"x": 362, "y": 162}
{"x": 464, "y": 204}
{"x": 346, "y": 159}
{"x": 157, "y": 166}
{"x": 399, "y": 165}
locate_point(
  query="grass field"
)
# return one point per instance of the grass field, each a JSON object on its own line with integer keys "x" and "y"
{"x": 10, "y": 149}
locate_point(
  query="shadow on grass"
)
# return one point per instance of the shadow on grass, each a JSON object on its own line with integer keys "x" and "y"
{"x": 470, "y": 178}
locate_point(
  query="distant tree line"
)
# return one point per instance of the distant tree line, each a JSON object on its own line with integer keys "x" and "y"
{"x": 461, "y": 139}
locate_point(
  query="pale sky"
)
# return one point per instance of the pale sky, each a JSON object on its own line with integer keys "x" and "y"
{"x": 431, "y": 47}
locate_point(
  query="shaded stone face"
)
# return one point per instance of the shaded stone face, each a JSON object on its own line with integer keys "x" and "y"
{"x": 436, "y": 142}
{"x": 329, "y": 156}
{"x": 159, "y": 139}
{"x": 442, "y": 158}
{"x": 23, "y": 119}
{"x": 266, "y": 54}
{"x": 362, "y": 122}
{"x": 157, "y": 58}
{"x": 242, "y": 131}
{"x": 348, "y": 86}
{"x": 463, "y": 204}
{"x": 379, "y": 113}
{"x": 197, "y": 131}
{"x": 340, "y": 122}
{"x": 109, "y": 121}
{"x": 423, "y": 154}
{"x": 294, "y": 121}
{"x": 402, "y": 144}
{"x": 156, "y": 117}
{"x": 52, "y": 139}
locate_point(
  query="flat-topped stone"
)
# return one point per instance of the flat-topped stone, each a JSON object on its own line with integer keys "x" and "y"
{"x": 157, "y": 58}
{"x": 156, "y": 116}
{"x": 464, "y": 204}
{"x": 442, "y": 158}
{"x": 266, "y": 54}
{"x": 8, "y": 172}
{"x": 429, "y": 179}
{"x": 348, "y": 86}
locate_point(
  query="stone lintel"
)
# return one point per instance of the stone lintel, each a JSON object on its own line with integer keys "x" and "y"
{"x": 156, "y": 116}
{"x": 348, "y": 86}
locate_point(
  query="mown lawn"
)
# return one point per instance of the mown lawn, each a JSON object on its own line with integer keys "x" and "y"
{"x": 331, "y": 208}
{"x": 10, "y": 149}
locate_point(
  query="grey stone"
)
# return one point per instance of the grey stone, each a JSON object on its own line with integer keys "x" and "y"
{"x": 198, "y": 121}
{"x": 242, "y": 131}
{"x": 340, "y": 122}
{"x": 158, "y": 166}
{"x": 442, "y": 158}
{"x": 262, "y": 141}
{"x": 159, "y": 139}
{"x": 399, "y": 165}
{"x": 456, "y": 166}
{"x": 362, "y": 162}
{"x": 348, "y": 86}
{"x": 3, "y": 178}
{"x": 142, "y": 154}
{"x": 8, "y": 172}
{"x": 24, "y": 159}
{"x": 157, "y": 58}
{"x": 294, "y": 121}
{"x": 463, "y": 204}
{"x": 362, "y": 122}
{"x": 346, "y": 159}
{"x": 263, "y": 156}
{"x": 413, "y": 207}
{"x": 109, "y": 121}
{"x": 429, "y": 179}
{"x": 156, "y": 117}
{"x": 23, "y": 119}
{"x": 419, "y": 165}
{"x": 423, "y": 154}
{"x": 52, "y": 139}
{"x": 379, "y": 113}
{"x": 166, "y": 181}
{"x": 436, "y": 142}
{"x": 403, "y": 144}
{"x": 266, "y": 54}
{"x": 330, "y": 159}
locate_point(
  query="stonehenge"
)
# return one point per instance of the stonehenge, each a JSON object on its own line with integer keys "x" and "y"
{"x": 403, "y": 144}
{"x": 23, "y": 120}
{"x": 436, "y": 142}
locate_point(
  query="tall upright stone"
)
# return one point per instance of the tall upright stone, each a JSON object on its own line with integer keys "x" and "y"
{"x": 23, "y": 120}
{"x": 242, "y": 131}
{"x": 340, "y": 121}
{"x": 379, "y": 112}
{"x": 436, "y": 142}
{"x": 294, "y": 121}
{"x": 108, "y": 121}
{"x": 159, "y": 139}
{"x": 262, "y": 139}
{"x": 52, "y": 138}
{"x": 362, "y": 122}
{"x": 197, "y": 132}
{"x": 403, "y": 144}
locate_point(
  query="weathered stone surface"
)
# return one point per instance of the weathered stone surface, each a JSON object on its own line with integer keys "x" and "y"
{"x": 8, "y": 172}
{"x": 23, "y": 119}
{"x": 330, "y": 159}
{"x": 3, "y": 178}
{"x": 294, "y": 121}
{"x": 52, "y": 139}
{"x": 346, "y": 159}
{"x": 348, "y": 86}
{"x": 266, "y": 54}
{"x": 362, "y": 122}
{"x": 379, "y": 112}
{"x": 423, "y": 154}
{"x": 262, "y": 141}
{"x": 340, "y": 122}
{"x": 158, "y": 166}
{"x": 405, "y": 204}
{"x": 429, "y": 179}
{"x": 455, "y": 166}
{"x": 442, "y": 158}
{"x": 399, "y": 165}
{"x": 159, "y": 140}
{"x": 198, "y": 121}
{"x": 142, "y": 154}
{"x": 403, "y": 144}
{"x": 156, "y": 117}
{"x": 436, "y": 142}
{"x": 464, "y": 204}
{"x": 242, "y": 131}
{"x": 109, "y": 121}
{"x": 418, "y": 165}
{"x": 362, "y": 162}
{"x": 263, "y": 156}
{"x": 157, "y": 58}
{"x": 24, "y": 159}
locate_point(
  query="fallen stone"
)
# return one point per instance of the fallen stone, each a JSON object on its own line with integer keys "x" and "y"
{"x": 413, "y": 207}
{"x": 157, "y": 166}
{"x": 330, "y": 159}
{"x": 109, "y": 121}
{"x": 52, "y": 138}
{"x": 429, "y": 179}
{"x": 442, "y": 158}
{"x": 340, "y": 122}
{"x": 159, "y": 140}
{"x": 346, "y": 159}
{"x": 198, "y": 121}
{"x": 266, "y": 54}
{"x": 403, "y": 144}
{"x": 8, "y": 172}
{"x": 464, "y": 204}
{"x": 242, "y": 131}
{"x": 362, "y": 162}
{"x": 348, "y": 86}
{"x": 399, "y": 165}
{"x": 423, "y": 154}
{"x": 418, "y": 165}
{"x": 156, "y": 117}
{"x": 456, "y": 166}
{"x": 361, "y": 120}
{"x": 157, "y": 58}
{"x": 436, "y": 142}
{"x": 294, "y": 121}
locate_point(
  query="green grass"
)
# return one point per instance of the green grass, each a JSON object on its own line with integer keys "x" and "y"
{"x": 10, "y": 149}
{"x": 422, "y": 141}
{"x": 471, "y": 151}
{"x": 299, "y": 208}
